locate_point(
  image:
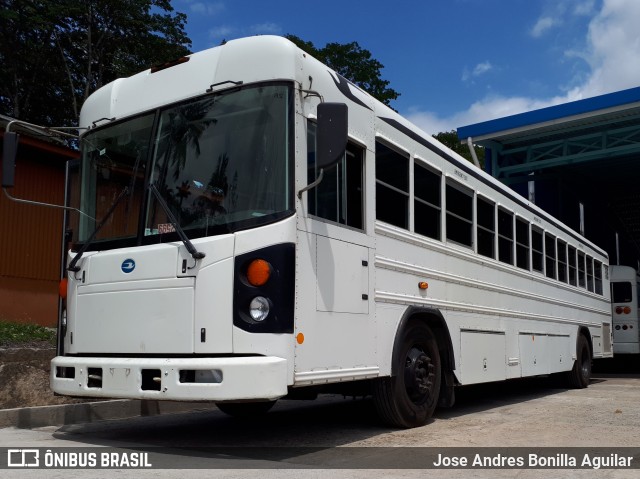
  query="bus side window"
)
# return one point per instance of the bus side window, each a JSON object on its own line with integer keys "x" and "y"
{"x": 486, "y": 228}
{"x": 522, "y": 243}
{"x": 550, "y": 253}
{"x": 459, "y": 206}
{"x": 339, "y": 197}
{"x": 392, "y": 186}
{"x": 590, "y": 273}
{"x": 505, "y": 236}
{"x": 573, "y": 277}
{"x": 562, "y": 261}
{"x": 597, "y": 272}
{"x": 427, "y": 201}
{"x": 581, "y": 279}
{"x": 536, "y": 250}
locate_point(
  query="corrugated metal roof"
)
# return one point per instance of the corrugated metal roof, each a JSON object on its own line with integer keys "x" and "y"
{"x": 604, "y": 107}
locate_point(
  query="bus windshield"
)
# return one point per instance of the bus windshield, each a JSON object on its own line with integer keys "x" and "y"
{"x": 221, "y": 163}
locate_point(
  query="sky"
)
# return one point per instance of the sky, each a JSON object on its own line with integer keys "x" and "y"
{"x": 455, "y": 62}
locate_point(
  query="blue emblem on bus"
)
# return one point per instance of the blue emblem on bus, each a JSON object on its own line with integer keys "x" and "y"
{"x": 128, "y": 265}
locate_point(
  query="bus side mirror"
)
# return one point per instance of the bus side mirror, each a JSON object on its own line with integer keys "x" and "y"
{"x": 9, "y": 153}
{"x": 331, "y": 133}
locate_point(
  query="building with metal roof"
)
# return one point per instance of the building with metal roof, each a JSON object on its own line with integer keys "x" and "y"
{"x": 580, "y": 161}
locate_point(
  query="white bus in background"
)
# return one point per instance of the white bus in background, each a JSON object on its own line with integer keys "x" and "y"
{"x": 625, "y": 284}
{"x": 241, "y": 253}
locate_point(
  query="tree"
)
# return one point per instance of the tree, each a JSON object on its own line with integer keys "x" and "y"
{"x": 55, "y": 53}
{"x": 354, "y": 63}
{"x": 25, "y": 55}
{"x": 450, "y": 139}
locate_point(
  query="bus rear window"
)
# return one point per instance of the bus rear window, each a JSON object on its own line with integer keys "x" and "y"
{"x": 621, "y": 292}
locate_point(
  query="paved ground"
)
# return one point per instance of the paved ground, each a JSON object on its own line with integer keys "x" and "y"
{"x": 529, "y": 413}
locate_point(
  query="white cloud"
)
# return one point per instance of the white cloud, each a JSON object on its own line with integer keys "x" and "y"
{"x": 556, "y": 13}
{"x": 228, "y": 32}
{"x": 207, "y": 8}
{"x": 478, "y": 70}
{"x": 612, "y": 52}
{"x": 482, "y": 68}
{"x": 221, "y": 32}
{"x": 613, "y": 49}
{"x": 430, "y": 122}
{"x": 543, "y": 25}
{"x": 488, "y": 108}
{"x": 584, "y": 7}
{"x": 265, "y": 29}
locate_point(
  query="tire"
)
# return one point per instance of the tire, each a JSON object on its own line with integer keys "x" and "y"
{"x": 409, "y": 397}
{"x": 580, "y": 376}
{"x": 245, "y": 409}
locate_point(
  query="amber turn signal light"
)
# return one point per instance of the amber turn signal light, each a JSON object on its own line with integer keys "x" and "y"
{"x": 62, "y": 288}
{"x": 258, "y": 272}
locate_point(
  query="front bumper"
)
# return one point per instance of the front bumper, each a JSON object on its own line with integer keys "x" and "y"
{"x": 177, "y": 379}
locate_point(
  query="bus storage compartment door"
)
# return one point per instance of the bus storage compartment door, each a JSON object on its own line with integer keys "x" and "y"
{"x": 534, "y": 353}
{"x": 343, "y": 276}
{"x": 483, "y": 356}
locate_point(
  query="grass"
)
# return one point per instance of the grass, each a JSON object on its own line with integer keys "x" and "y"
{"x": 18, "y": 333}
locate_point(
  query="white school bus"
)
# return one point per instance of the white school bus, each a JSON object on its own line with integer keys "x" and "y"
{"x": 255, "y": 226}
{"x": 625, "y": 284}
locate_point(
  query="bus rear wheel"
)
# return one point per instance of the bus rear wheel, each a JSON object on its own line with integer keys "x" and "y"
{"x": 580, "y": 375}
{"x": 409, "y": 397}
{"x": 245, "y": 409}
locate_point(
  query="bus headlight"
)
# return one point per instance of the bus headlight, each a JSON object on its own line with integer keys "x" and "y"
{"x": 259, "y": 308}
{"x": 264, "y": 289}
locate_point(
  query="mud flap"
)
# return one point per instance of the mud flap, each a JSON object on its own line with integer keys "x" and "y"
{"x": 447, "y": 396}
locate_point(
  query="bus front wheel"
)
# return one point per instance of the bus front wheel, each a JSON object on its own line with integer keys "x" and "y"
{"x": 409, "y": 397}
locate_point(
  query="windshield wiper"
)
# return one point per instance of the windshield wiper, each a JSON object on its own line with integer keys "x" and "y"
{"x": 73, "y": 265}
{"x": 195, "y": 254}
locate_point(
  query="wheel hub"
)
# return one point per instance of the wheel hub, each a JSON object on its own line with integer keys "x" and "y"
{"x": 418, "y": 375}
